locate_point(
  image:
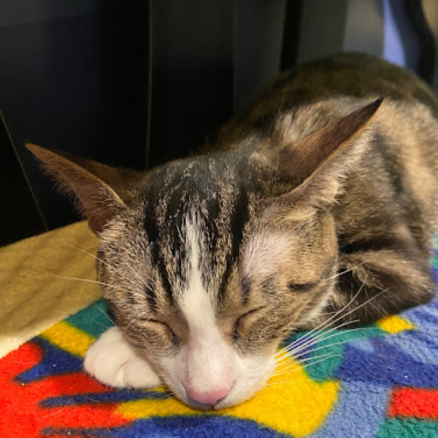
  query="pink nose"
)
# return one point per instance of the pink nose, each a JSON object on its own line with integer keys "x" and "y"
{"x": 208, "y": 398}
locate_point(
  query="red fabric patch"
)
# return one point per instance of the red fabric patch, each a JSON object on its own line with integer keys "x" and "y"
{"x": 22, "y": 417}
{"x": 414, "y": 402}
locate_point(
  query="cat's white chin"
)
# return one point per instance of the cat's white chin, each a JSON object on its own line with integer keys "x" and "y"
{"x": 113, "y": 362}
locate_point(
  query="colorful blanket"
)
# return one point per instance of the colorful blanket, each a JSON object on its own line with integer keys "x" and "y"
{"x": 380, "y": 381}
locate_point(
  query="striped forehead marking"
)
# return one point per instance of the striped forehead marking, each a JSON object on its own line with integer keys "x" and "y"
{"x": 197, "y": 303}
{"x": 223, "y": 209}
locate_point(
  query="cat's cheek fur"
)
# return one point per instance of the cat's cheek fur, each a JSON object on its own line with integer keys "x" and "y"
{"x": 112, "y": 361}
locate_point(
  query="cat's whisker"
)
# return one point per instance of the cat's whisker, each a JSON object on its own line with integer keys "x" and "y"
{"x": 318, "y": 337}
{"x": 328, "y": 323}
{"x": 297, "y": 358}
{"x": 87, "y": 280}
{"x": 339, "y": 274}
{"x": 296, "y": 367}
{"x": 144, "y": 283}
{"x": 327, "y": 313}
{"x": 147, "y": 285}
{"x": 286, "y": 355}
{"x": 102, "y": 325}
{"x": 335, "y": 343}
{"x": 135, "y": 319}
{"x": 104, "y": 314}
{"x": 57, "y": 412}
{"x": 299, "y": 368}
{"x": 111, "y": 267}
{"x": 336, "y": 317}
{"x": 313, "y": 339}
{"x": 92, "y": 399}
{"x": 360, "y": 305}
{"x": 323, "y": 326}
{"x": 299, "y": 362}
{"x": 84, "y": 251}
{"x": 309, "y": 341}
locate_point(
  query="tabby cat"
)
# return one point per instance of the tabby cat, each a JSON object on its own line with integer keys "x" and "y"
{"x": 323, "y": 193}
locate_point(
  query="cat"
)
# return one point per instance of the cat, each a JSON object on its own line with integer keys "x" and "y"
{"x": 323, "y": 191}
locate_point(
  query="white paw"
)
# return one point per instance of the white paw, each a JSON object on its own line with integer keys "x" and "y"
{"x": 112, "y": 361}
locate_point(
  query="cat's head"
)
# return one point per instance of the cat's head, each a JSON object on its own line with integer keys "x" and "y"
{"x": 210, "y": 262}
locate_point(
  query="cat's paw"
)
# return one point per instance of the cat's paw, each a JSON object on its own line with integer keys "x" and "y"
{"x": 112, "y": 361}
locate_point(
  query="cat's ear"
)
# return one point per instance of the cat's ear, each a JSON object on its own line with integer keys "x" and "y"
{"x": 315, "y": 166}
{"x": 102, "y": 191}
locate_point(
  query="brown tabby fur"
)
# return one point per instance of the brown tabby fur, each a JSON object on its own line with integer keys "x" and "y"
{"x": 312, "y": 194}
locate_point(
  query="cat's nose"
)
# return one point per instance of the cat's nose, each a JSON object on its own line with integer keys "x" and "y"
{"x": 207, "y": 398}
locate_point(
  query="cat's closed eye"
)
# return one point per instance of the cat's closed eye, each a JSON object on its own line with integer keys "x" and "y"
{"x": 170, "y": 334}
{"x": 243, "y": 321}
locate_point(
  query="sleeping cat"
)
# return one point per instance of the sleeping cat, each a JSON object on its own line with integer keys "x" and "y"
{"x": 319, "y": 193}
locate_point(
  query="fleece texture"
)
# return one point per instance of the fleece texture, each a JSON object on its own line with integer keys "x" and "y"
{"x": 379, "y": 381}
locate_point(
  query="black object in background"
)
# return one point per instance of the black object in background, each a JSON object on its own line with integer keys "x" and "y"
{"x": 140, "y": 82}
{"x": 131, "y": 84}
{"x": 19, "y": 215}
{"x": 209, "y": 60}
{"x": 73, "y": 77}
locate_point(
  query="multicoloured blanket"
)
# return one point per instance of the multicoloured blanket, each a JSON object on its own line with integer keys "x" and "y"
{"x": 381, "y": 381}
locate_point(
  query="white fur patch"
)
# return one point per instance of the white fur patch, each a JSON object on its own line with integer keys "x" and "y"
{"x": 265, "y": 252}
{"x": 207, "y": 356}
{"x": 196, "y": 305}
{"x": 112, "y": 361}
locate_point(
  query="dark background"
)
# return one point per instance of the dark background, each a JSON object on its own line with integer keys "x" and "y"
{"x": 141, "y": 82}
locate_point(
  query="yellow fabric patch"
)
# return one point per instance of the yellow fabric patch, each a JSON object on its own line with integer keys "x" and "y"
{"x": 68, "y": 338}
{"x": 292, "y": 393}
{"x": 394, "y": 324}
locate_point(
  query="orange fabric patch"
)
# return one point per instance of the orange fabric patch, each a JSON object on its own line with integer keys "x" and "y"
{"x": 414, "y": 402}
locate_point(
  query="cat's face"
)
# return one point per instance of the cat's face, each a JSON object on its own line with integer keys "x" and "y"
{"x": 206, "y": 287}
{"x": 210, "y": 262}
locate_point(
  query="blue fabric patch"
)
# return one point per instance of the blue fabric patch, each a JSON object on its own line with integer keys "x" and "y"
{"x": 386, "y": 366}
{"x": 54, "y": 362}
{"x": 351, "y": 419}
{"x": 120, "y": 396}
{"x": 201, "y": 426}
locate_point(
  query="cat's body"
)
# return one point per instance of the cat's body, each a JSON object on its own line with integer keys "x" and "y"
{"x": 317, "y": 194}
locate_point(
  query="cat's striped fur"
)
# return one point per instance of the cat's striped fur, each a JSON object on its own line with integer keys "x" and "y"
{"x": 317, "y": 191}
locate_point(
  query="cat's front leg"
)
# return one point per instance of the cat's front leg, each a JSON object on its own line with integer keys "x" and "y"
{"x": 112, "y": 361}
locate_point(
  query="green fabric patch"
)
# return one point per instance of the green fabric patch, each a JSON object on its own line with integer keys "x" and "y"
{"x": 408, "y": 428}
{"x": 320, "y": 367}
{"x": 93, "y": 319}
